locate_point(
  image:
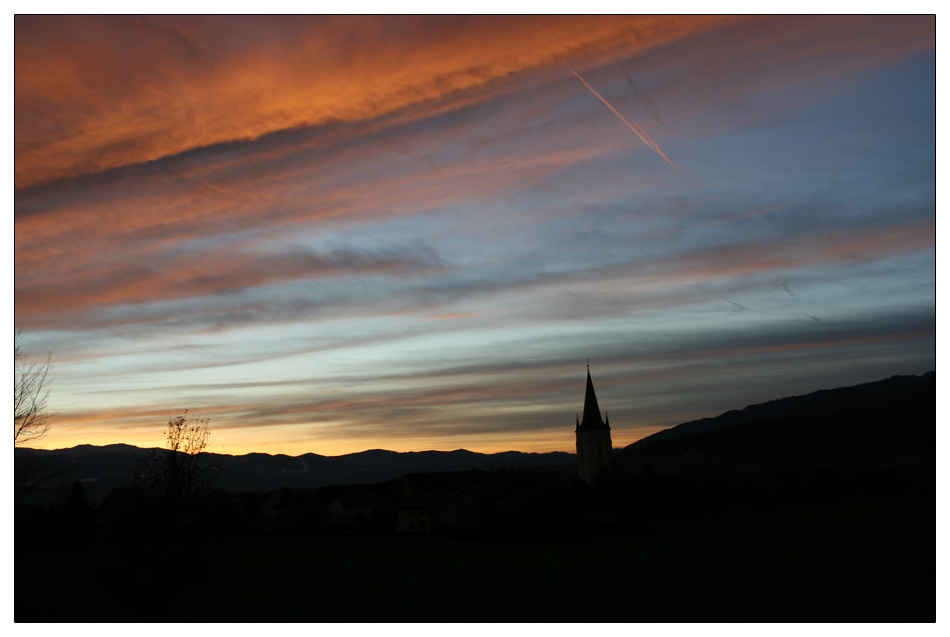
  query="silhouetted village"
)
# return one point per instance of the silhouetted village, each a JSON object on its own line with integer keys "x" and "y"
{"x": 810, "y": 484}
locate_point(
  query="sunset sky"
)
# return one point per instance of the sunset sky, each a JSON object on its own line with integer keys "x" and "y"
{"x": 331, "y": 234}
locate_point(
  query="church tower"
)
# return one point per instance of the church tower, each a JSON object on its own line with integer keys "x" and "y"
{"x": 593, "y": 438}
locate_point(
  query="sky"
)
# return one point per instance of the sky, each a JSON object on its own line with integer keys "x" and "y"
{"x": 329, "y": 234}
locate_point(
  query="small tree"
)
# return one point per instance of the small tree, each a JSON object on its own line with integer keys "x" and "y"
{"x": 31, "y": 380}
{"x": 178, "y": 471}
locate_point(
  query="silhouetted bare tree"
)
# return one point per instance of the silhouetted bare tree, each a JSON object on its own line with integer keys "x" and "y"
{"x": 177, "y": 471}
{"x": 31, "y": 419}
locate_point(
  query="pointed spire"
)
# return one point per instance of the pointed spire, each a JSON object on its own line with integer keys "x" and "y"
{"x": 591, "y": 408}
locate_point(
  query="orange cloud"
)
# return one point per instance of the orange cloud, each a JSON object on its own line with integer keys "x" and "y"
{"x": 190, "y": 275}
{"x": 98, "y": 92}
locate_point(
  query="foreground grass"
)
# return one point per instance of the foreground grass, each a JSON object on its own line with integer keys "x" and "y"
{"x": 860, "y": 562}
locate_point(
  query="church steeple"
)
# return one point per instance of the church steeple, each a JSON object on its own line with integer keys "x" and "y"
{"x": 592, "y": 418}
{"x": 594, "y": 446}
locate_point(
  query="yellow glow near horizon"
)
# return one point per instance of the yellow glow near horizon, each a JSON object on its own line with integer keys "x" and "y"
{"x": 280, "y": 439}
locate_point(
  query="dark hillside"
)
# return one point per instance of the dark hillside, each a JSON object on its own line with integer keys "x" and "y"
{"x": 817, "y": 403}
{"x": 871, "y": 439}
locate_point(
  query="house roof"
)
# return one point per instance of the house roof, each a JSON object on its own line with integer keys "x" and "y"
{"x": 355, "y": 499}
{"x": 352, "y": 492}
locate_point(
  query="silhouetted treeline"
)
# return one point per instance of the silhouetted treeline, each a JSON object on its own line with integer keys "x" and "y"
{"x": 511, "y": 502}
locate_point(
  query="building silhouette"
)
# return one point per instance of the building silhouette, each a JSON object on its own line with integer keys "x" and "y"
{"x": 593, "y": 438}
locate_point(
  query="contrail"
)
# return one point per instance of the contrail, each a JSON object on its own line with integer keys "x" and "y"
{"x": 636, "y": 128}
{"x": 741, "y": 307}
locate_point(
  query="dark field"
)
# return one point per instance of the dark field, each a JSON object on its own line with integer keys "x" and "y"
{"x": 864, "y": 561}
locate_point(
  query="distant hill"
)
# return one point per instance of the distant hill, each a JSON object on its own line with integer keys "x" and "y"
{"x": 888, "y": 425}
{"x": 100, "y": 469}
